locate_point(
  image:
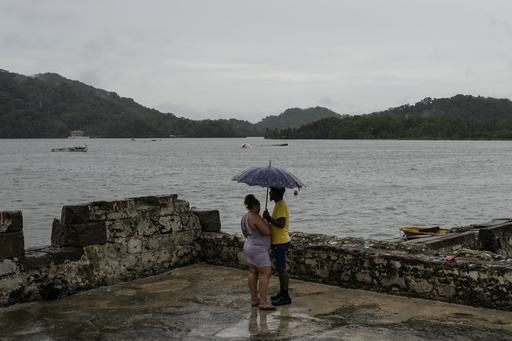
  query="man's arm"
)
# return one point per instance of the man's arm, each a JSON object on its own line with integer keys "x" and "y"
{"x": 279, "y": 222}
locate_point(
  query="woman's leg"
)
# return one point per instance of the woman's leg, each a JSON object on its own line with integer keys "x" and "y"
{"x": 265, "y": 273}
{"x": 253, "y": 283}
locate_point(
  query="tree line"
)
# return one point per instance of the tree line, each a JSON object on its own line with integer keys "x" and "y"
{"x": 457, "y": 118}
{"x": 50, "y": 106}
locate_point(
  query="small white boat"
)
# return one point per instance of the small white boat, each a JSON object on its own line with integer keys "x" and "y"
{"x": 246, "y": 145}
{"x": 71, "y": 149}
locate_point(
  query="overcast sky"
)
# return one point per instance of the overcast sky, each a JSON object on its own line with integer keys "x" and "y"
{"x": 249, "y": 59}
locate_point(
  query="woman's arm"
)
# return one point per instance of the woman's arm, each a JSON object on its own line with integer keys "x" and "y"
{"x": 244, "y": 230}
{"x": 261, "y": 225}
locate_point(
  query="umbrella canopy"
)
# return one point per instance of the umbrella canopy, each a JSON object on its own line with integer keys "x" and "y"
{"x": 268, "y": 176}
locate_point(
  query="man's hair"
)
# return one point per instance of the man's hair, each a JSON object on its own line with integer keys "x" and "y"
{"x": 278, "y": 190}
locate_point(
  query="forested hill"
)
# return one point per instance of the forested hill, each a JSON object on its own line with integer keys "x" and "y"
{"x": 295, "y": 117}
{"x": 458, "y": 117}
{"x": 50, "y": 106}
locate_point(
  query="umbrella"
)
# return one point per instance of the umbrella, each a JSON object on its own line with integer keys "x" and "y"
{"x": 268, "y": 176}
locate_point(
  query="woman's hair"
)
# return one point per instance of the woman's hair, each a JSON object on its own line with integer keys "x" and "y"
{"x": 251, "y": 201}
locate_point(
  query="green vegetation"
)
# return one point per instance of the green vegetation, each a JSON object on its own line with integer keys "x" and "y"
{"x": 457, "y": 118}
{"x": 50, "y": 106}
{"x": 295, "y": 117}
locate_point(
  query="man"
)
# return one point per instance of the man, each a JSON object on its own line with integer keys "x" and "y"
{"x": 280, "y": 242}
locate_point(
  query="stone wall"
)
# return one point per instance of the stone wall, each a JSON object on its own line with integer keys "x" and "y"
{"x": 496, "y": 237}
{"x": 97, "y": 244}
{"x": 12, "y": 243}
{"x": 107, "y": 242}
{"x": 474, "y": 277}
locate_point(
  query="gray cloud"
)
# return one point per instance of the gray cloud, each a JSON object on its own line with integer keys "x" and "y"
{"x": 222, "y": 59}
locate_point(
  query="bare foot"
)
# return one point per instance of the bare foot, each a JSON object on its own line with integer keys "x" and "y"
{"x": 267, "y": 306}
{"x": 255, "y": 303}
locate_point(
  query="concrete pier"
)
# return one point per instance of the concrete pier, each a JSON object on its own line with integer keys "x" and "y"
{"x": 206, "y": 302}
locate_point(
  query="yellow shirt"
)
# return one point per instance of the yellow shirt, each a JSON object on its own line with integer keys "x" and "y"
{"x": 280, "y": 235}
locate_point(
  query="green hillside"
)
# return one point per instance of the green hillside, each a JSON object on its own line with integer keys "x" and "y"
{"x": 459, "y": 117}
{"x": 50, "y": 106}
{"x": 295, "y": 117}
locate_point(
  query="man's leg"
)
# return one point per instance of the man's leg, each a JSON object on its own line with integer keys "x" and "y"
{"x": 280, "y": 251}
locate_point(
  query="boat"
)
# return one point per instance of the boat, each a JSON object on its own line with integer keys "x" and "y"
{"x": 281, "y": 144}
{"x": 78, "y": 134}
{"x": 246, "y": 145}
{"x": 416, "y": 231}
{"x": 71, "y": 149}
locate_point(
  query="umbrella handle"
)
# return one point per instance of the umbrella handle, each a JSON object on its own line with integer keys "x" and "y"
{"x": 266, "y": 199}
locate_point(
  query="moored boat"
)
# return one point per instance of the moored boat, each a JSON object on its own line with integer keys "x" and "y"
{"x": 71, "y": 149}
{"x": 415, "y": 231}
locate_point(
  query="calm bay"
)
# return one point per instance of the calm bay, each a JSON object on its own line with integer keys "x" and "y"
{"x": 353, "y": 187}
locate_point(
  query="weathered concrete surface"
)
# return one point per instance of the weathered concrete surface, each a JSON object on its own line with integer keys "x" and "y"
{"x": 205, "y": 302}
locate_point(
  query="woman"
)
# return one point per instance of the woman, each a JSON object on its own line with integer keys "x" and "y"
{"x": 256, "y": 249}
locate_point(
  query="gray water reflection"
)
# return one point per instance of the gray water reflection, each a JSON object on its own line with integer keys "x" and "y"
{"x": 353, "y": 187}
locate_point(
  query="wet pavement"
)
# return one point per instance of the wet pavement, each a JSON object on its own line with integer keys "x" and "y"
{"x": 203, "y": 302}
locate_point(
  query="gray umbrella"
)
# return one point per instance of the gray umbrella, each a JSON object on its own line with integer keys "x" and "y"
{"x": 268, "y": 176}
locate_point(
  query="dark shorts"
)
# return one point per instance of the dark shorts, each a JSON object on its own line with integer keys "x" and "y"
{"x": 280, "y": 251}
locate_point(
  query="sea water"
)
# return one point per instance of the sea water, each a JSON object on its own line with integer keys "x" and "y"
{"x": 353, "y": 187}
